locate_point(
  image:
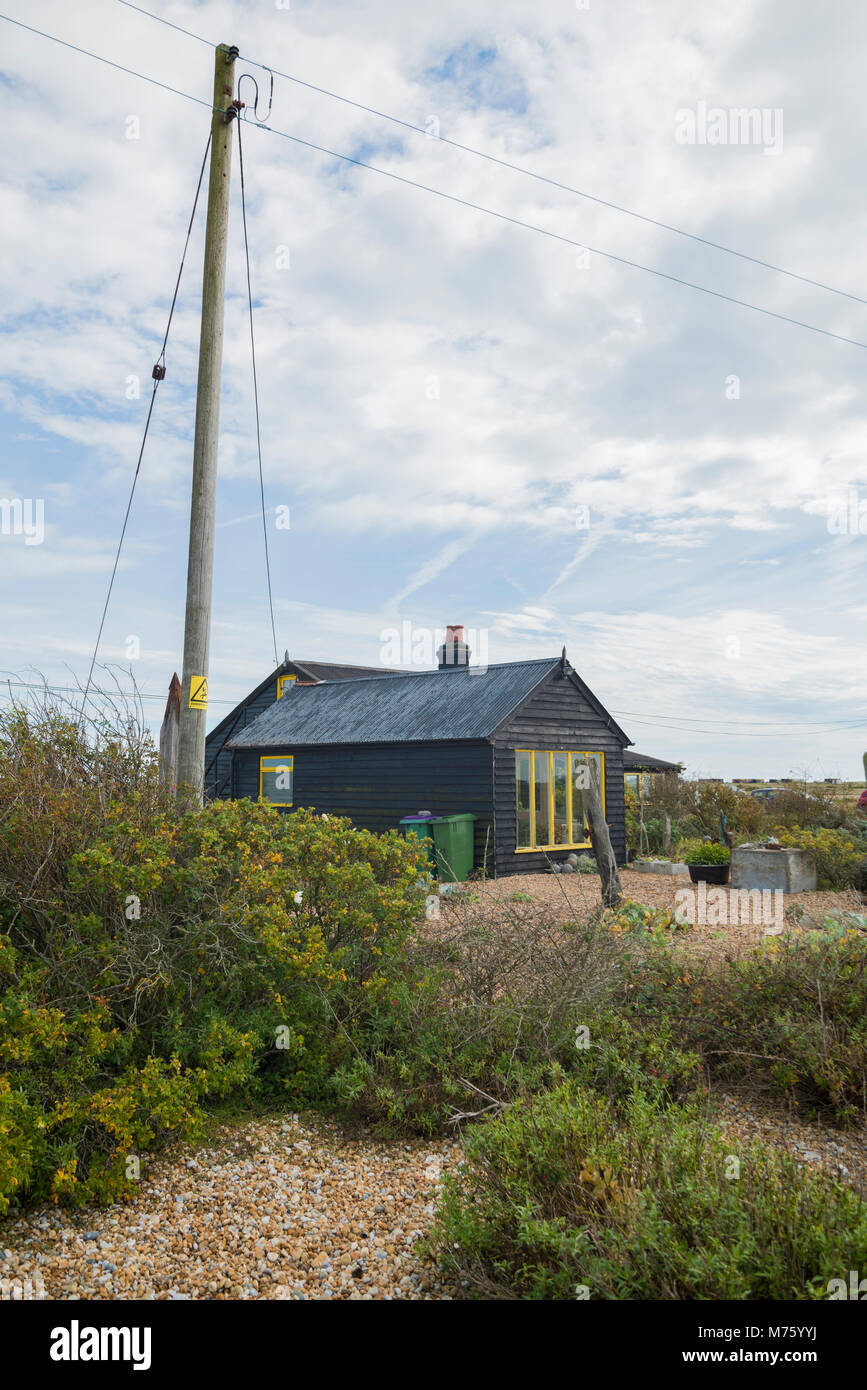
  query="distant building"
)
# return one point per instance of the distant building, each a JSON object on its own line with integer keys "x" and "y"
{"x": 642, "y": 773}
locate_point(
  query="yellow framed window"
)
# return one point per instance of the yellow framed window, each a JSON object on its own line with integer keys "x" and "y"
{"x": 276, "y": 775}
{"x": 549, "y": 810}
{"x": 524, "y": 783}
{"x": 282, "y": 683}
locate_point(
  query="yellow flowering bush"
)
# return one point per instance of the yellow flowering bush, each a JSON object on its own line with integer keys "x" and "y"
{"x": 150, "y": 958}
{"x": 841, "y": 860}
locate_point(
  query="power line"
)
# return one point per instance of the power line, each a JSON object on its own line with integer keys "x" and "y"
{"x": 556, "y": 183}
{"x": 256, "y": 387}
{"x": 824, "y": 726}
{"x": 736, "y": 733}
{"x": 169, "y": 25}
{"x": 131, "y": 72}
{"x": 741, "y": 723}
{"x": 475, "y": 207}
{"x": 558, "y": 236}
{"x": 515, "y": 168}
{"x": 124, "y": 694}
{"x": 158, "y": 374}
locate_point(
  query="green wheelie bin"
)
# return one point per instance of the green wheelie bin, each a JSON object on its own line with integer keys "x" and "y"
{"x": 419, "y": 828}
{"x": 453, "y": 846}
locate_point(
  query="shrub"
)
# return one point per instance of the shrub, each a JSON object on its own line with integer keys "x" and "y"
{"x": 793, "y": 809}
{"x": 479, "y": 1008}
{"x": 840, "y": 858}
{"x": 152, "y": 960}
{"x": 631, "y": 916}
{"x": 789, "y": 1019}
{"x": 568, "y": 1192}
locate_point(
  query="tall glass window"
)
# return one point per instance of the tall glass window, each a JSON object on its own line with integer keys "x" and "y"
{"x": 560, "y": 766}
{"x": 524, "y": 779}
{"x": 542, "y": 803}
{"x": 548, "y": 798}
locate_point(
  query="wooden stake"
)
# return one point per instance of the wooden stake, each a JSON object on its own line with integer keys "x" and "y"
{"x": 168, "y": 764}
{"x": 200, "y": 566}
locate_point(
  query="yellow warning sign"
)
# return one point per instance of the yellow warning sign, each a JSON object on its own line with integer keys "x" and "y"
{"x": 198, "y": 692}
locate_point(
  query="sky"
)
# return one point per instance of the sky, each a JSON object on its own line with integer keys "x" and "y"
{"x": 463, "y": 420}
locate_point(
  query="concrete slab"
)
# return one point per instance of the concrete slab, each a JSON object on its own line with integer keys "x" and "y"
{"x": 659, "y": 866}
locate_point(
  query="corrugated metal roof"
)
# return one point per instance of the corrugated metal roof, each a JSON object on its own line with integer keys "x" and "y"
{"x": 339, "y": 671}
{"x": 418, "y": 707}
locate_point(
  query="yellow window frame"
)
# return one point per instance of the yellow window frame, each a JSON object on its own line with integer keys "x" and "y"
{"x": 282, "y": 682}
{"x": 268, "y": 763}
{"x": 548, "y": 753}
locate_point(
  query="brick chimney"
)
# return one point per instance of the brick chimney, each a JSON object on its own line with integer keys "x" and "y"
{"x": 454, "y": 650}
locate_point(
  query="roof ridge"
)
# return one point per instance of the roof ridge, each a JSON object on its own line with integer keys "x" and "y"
{"x": 438, "y": 670}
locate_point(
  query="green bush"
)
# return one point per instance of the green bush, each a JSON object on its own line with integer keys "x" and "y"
{"x": 789, "y": 1019}
{"x": 475, "y": 1013}
{"x": 840, "y": 857}
{"x": 152, "y": 962}
{"x": 568, "y": 1195}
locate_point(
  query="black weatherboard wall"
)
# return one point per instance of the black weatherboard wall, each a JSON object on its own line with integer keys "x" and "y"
{"x": 376, "y": 784}
{"x": 562, "y": 715}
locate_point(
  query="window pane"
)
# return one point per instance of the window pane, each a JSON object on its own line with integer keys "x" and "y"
{"x": 597, "y": 759}
{"x": 561, "y": 804}
{"x": 522, "y": 792}
{"x": 276, "y": 779}
{"x": 543, "y": 810}
{"x": 580, "y": 833}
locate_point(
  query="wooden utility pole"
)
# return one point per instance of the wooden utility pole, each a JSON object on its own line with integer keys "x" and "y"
{"x": 200, "y": 566}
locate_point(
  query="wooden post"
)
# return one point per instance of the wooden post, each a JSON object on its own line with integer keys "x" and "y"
{"x": 589, "y": 788}
{"x": 169, "y": 735}
{"x": 200, "y": 566}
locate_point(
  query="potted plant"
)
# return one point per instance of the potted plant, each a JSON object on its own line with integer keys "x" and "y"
{"x": 708, "y": 863}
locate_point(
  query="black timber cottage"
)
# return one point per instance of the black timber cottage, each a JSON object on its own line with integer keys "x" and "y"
{"x": 497, "y": 741}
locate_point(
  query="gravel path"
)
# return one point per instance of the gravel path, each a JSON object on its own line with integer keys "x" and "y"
{"x": 842, "y": 1152}
{"x": 572, "y": 896}
{"x": 277, "y": 1209}
{"x": 303, "y": 1208}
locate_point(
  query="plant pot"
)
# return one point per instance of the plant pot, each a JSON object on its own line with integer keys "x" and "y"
{"x": 709, "y": 873}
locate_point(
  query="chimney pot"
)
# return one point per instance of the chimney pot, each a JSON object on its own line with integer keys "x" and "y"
{"x": 454, "y": 651}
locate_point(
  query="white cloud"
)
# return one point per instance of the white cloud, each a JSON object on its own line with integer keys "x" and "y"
{"x": 441, "y": 390}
